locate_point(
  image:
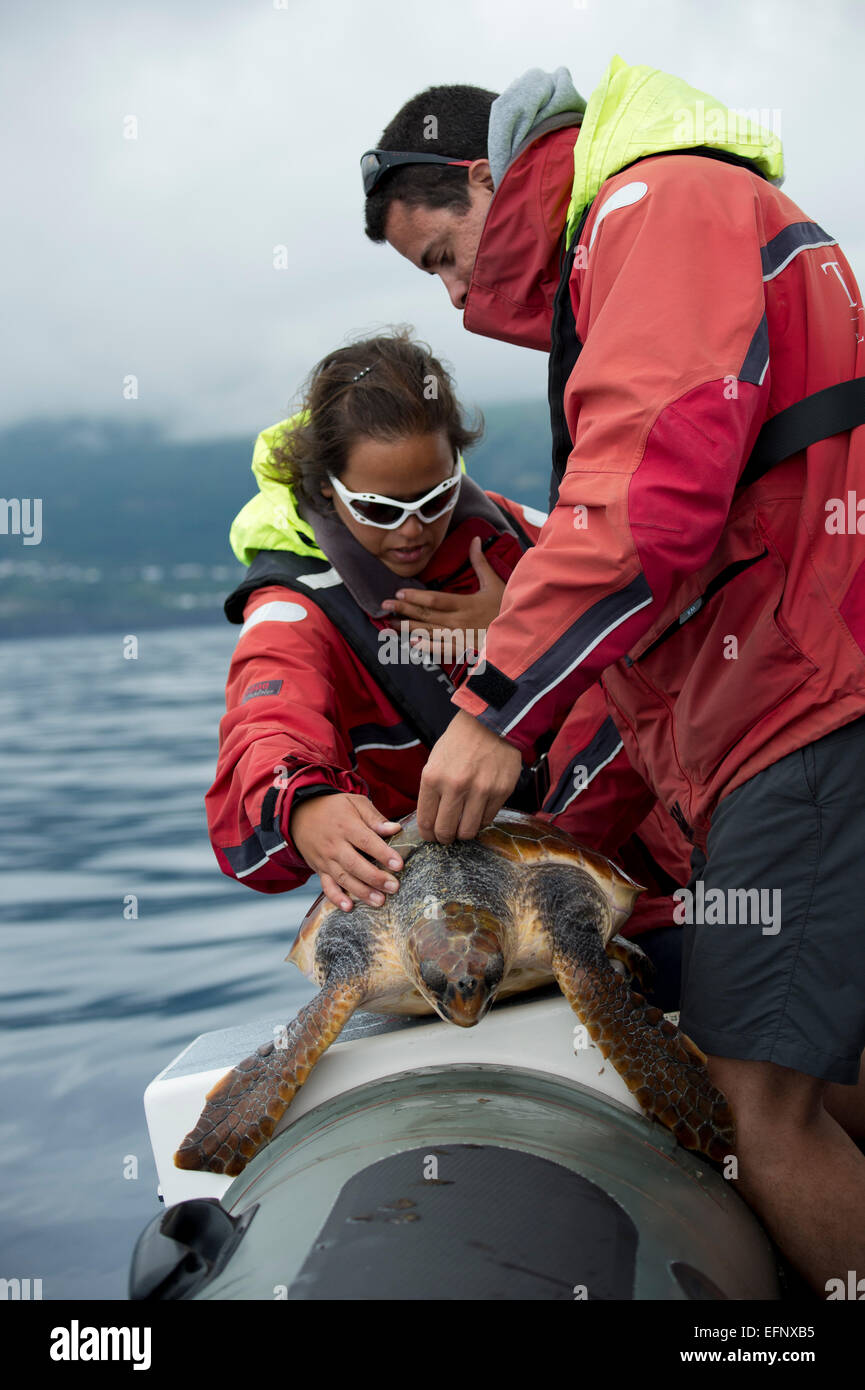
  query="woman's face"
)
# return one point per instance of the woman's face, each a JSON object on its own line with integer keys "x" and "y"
{"x": 404, "y": 469}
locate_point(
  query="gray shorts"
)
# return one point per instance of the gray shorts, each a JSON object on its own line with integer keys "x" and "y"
{"x": 773, "y": 958}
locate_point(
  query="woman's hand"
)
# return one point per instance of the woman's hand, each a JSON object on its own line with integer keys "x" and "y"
{"x": 469, "y": 614}
{"x": 333, "y": 833}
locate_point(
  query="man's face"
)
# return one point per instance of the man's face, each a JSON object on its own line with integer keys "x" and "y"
{"x": 442, "y": 241}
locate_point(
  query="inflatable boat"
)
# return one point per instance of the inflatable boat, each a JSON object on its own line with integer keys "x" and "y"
{"x": 423, "y": 1161}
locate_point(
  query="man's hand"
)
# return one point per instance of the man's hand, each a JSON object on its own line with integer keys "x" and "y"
{"x": 333, "y": 833}
{"x": 469, "y": 776}
{"x": 429, "y": 609}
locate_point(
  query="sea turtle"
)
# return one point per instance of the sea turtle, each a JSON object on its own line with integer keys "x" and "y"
{"x": 473, "y": 921}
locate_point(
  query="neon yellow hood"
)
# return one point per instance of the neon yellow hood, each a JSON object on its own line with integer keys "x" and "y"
{"x": 270, "y": 520}
{"x": 639, "y": 111}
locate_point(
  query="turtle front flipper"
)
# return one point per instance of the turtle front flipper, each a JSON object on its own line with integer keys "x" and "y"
{"x": 661, "y": 1067}
{"x": 243, "y": 1108}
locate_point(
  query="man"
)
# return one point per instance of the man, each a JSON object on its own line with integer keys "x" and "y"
{"x": 719, "y": 591}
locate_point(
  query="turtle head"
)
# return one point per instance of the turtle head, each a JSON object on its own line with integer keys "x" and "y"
{"x": 456, "y": 961}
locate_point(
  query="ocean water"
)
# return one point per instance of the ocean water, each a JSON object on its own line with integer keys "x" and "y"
{"x": 105, "y": 764}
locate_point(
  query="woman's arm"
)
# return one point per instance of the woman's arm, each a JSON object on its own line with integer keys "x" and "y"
{"x": 280, "y": 738}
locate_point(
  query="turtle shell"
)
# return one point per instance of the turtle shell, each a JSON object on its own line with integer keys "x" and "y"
{"x": 517, "y": 837}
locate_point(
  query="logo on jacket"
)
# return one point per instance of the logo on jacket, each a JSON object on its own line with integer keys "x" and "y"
{"x": 261, "y": 688}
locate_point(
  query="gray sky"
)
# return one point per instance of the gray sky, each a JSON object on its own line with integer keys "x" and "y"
{"x": 155, "y": 256}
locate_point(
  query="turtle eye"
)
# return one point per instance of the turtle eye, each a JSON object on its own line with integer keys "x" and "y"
{"x": 494, "y": 971}
{"x": 433, "y": 977}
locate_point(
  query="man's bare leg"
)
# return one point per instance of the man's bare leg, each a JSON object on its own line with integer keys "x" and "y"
{"x": 803, "y": 1176}
{"x": 846, "y": 1104}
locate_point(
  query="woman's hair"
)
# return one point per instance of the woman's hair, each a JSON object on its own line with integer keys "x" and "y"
{"x": 386, "y": 388}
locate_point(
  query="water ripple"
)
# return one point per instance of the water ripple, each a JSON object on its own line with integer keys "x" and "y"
{"x": 103, "y": 797}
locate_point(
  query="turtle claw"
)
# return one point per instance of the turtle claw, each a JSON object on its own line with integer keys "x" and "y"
{"x": 634, "y": 959}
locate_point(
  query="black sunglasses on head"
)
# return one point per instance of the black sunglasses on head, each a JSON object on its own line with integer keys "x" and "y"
{"x": 376, "y": 163}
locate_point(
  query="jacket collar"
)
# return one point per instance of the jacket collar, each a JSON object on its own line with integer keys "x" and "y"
{"x": 517, "y": 266}
{"x": 633, "y": 113}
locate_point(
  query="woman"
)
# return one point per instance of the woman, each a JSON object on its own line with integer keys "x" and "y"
{"x": 366, "y": 531}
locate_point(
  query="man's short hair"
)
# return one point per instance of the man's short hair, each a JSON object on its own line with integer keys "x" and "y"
{"x": 452, "y": 121}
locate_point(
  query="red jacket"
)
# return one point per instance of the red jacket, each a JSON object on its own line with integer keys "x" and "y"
{"x": 705, "y": 304}
{"x": 302, "y": 710}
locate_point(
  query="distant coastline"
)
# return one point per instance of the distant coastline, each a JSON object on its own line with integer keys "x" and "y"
{"x": 134, "y": 525}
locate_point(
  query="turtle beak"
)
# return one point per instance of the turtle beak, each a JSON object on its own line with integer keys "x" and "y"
{"x": 460, "y": 964}
{"x": 468, "y": 998}
{"x": 464, "y": 1004}
{"x": 463, "y": 1001}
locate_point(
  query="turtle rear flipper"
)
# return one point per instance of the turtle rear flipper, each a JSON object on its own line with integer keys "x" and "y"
{"x": 243, "y": 1108}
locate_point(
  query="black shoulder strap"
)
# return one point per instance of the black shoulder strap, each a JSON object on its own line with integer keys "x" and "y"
{"x": 534, "y": 783}
{"x": 522, "y": 536}
{"x": 420, "y": 691}
{"x": 818, "y": 416}
{"x": 565, "y": 348}
{"x": 271, "y": 567}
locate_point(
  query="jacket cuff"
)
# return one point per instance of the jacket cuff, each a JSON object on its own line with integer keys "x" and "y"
{"x": 302, "y": 782}
{"x": 314, "y": 789}
{"x": 473, "y": 704}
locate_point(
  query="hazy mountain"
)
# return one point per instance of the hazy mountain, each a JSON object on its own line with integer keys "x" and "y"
{"x": 134, "y": 526}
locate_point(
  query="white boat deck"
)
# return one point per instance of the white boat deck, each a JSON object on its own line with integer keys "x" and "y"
{"x": 536, "y": 1032}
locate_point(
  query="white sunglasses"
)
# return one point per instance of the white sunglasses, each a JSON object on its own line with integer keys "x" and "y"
{"x": 371, "y": 509}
